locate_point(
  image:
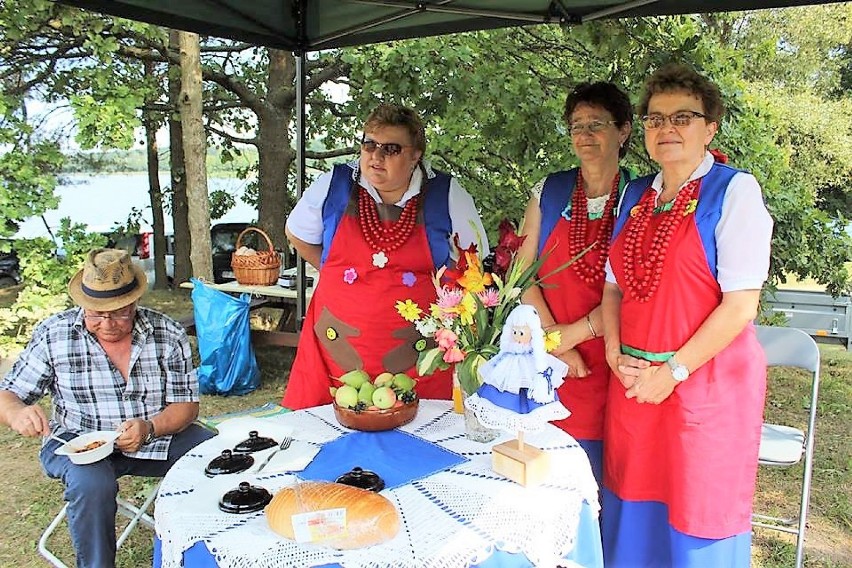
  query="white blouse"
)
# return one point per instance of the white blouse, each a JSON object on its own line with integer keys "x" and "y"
{"x": 305, "y": 221}
{"x": 743, "y": 234}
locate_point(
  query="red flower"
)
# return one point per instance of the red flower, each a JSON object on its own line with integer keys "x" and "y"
{"x": 509, "y": 238}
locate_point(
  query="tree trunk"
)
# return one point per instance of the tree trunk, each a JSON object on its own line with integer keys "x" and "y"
{"x": 274, "y": 154}
{"x": 180, "y": 207}
{"x": 195, "y": 147}
{"x": 160, "y": 278}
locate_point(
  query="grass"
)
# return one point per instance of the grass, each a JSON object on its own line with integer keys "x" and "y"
{"x": 31, "y": 500}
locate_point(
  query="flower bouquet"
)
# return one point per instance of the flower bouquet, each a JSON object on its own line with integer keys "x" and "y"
{"x": 462, "y": 327}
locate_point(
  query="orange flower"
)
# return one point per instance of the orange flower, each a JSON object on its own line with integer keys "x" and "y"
{"x": 474, "y": 279}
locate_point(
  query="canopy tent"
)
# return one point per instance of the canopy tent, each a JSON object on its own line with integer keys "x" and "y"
{"x": 310, "y": 25}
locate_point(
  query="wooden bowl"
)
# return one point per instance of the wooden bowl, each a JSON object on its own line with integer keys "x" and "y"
{"x": 376, "y": 420}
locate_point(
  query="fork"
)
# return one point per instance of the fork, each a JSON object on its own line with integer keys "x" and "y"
{"x": 285, "y": 443}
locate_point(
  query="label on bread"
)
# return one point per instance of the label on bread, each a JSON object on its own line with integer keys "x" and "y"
{"x": 317, "y": 526}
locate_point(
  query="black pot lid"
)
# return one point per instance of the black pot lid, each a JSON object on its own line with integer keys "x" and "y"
{"x": 254, "y": 443}
{"x": 246, "y": 498}
{"x": 363, "y": 479}
{"x": 229, "y": 462}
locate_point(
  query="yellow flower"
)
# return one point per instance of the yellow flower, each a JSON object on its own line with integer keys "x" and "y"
{"x": 409, "y": 310}
{"x": 552, "y": 339}
{"x": 634, "y": 212}
{"x": 465, "y": 309}
{"x": 690, "y": 207}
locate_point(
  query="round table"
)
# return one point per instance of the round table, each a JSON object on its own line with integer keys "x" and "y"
{"x": 463, "y": 515}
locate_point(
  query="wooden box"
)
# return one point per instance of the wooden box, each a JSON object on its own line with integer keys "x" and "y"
{"x": 522, "y": 463}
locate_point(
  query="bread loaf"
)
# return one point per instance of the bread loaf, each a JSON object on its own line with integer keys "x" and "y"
{"x": 370, "y": 518}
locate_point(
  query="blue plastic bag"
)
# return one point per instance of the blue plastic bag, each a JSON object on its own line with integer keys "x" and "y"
{"x": 228, "y": 366}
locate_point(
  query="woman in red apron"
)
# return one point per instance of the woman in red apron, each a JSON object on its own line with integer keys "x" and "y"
{"x": 688, "y": 259}
{"x": 377, "y": 229}
{"x": 569, "y": 211}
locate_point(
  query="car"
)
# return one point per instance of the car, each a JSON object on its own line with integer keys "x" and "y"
{"x": 223, "y": 241}
{"x": 141, "y": 248}
{"x": 10, "y": 270}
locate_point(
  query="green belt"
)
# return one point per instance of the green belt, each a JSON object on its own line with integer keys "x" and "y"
{"x": 647, "y": 355}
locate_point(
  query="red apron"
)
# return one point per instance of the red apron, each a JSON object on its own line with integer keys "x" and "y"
{"x": 697, "y": 451}
{"x": 570, "y": 298}
{"x": 355, "y": 325}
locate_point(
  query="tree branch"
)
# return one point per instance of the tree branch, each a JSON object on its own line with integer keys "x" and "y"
{"x": 231, "y": 137}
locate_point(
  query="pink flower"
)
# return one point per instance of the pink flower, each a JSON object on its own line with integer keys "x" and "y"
{"x": 446, "y": 339}
{"x": 350, "y": 275}
{"x": 448, "y": 298}
{"x": 454, "y": 355}
{"x": 489, "y": 297}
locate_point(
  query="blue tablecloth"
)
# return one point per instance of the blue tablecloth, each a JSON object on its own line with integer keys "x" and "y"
{"x": 456, "y": 510}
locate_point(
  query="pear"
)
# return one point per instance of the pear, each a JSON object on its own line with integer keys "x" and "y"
{"x": 384, "y": 397}
{"x": 355, "y": 378}
{"x": 346, "y": 396}
{"x": 383, "y": 379}
{"x": 365, "y": 393}
{"x": 333, "y": 391}
{"x": 402, "y": 382}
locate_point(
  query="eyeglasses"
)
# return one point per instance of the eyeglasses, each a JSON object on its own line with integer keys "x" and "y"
{"x": 387, "y": 148}
{"x": 100, "y": 318}
{"x": 679, "y": 118}
{"x": 593, "y": 127}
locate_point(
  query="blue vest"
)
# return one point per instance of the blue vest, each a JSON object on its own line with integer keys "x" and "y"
{"x": 436, "y": 212}
{"x": 555, "y": 197}
{"x": 711, "y": 196}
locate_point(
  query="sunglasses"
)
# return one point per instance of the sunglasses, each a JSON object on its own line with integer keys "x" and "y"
{"x": 387, "y": 149}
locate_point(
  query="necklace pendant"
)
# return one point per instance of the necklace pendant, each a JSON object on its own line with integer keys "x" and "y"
{"x": 380, "y": 259}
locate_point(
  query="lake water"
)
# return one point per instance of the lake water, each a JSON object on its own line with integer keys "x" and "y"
{"x": 102, "y": 201}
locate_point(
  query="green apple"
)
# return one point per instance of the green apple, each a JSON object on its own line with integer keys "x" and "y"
{"x": 383, "y": 379}
{"x": 402, "y": 382}
{"x": 346, "y": 396}
{"x": 355, "y": 378}
{"x": 384, "y": 397}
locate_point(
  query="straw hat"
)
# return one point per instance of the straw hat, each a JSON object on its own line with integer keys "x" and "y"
{"x": 108, "y": 281}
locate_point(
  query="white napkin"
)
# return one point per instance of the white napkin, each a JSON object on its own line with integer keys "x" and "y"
{"x": 295, "y": 458}
{"x": 235, "y": 430}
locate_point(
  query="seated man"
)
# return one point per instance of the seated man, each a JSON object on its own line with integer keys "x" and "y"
{"x": 108, "y": 365}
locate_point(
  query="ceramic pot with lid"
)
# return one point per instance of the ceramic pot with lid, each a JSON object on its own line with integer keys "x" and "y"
{"x": 246, "y": 498}
{"x": 362, "y": 479}
{"x": 254, "y": 443}
{"x": 228, "y": 462}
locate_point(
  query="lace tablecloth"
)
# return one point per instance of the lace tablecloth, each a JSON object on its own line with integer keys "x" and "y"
{"x": 455, "y": 517}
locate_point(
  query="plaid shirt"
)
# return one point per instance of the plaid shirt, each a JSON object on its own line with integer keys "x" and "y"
{"x": 89, "y": 393}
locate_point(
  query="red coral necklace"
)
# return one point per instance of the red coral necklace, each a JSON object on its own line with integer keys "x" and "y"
{"x": 590, "y": 272}
{"x": 643, "y": 256}
{"x": 385, "y": 237}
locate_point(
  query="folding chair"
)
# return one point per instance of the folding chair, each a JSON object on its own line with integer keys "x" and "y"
{"x": 135, "y": 514}
{"x": 784, "y": 446}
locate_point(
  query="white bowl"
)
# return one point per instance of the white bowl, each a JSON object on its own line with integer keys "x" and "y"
{"x": 73, "y": 446}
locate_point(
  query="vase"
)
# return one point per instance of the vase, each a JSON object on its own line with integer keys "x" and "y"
{"x": 474, "y": 430}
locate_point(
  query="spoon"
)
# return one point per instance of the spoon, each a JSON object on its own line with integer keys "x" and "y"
{"x": 53, "y": 436}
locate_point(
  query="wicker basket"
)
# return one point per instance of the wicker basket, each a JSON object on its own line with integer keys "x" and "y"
{"x": 259, "y": 269}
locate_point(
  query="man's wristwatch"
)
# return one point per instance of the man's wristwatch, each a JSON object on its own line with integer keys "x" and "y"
{"x": 679, "y": 372}
{"x": 150, "y": 437}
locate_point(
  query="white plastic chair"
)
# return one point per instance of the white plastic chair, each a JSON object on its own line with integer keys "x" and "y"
{"x": 135, "y": 515}
{"x": 785, "y": 446}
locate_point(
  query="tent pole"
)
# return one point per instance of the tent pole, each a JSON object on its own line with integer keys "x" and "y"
{"x": 301, "y": 303}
